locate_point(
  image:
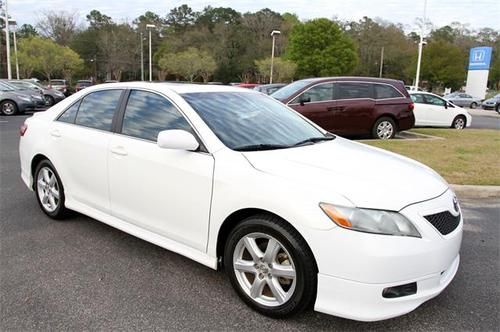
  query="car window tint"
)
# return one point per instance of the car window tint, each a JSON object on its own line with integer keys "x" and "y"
{"x": 354, "y": 90}
{"x": 97, "y": 109}
{"x": 417, "y": 98}
{"x": 70, "y": 114}
{"x": 463, "y": 95}
{"x": 383, "y": 91}
{"x": 433, "y": 100}
{"x": 147, "y": 114}
{"x": 321, "y": 92}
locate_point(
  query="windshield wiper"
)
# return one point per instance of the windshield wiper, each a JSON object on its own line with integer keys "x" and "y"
{"x": 314, "y": 140}
{"x": 260, "y": 147}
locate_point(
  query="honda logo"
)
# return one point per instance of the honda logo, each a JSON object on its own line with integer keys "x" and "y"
{"x": 478, "y": 55}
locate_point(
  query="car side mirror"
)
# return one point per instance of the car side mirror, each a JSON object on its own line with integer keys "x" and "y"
{"x": 446, "y": 105}
{"x": 303, "y": 99}
{"x": 176, "y": 139}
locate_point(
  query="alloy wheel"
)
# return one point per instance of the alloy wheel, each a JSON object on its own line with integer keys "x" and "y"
{"x": 264, "y": 269}
{"x": 459, "y": 123}
{"x": 8, "y": 108}
{"x": 48, "y": 189}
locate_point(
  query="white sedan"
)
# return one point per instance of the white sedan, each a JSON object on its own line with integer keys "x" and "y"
{"x": 235, "y": 180}
{"x": 433, "y": 111}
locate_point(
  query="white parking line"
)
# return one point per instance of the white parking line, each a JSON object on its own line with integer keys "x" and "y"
{"x": 2, "y": 121}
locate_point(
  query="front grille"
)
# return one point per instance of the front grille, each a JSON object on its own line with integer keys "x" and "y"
{"x": 444, "y": 222}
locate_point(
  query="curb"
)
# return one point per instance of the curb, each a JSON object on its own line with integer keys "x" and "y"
{"x": 475, "y": 192}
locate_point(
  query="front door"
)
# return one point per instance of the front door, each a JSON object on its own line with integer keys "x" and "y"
{"x": 164, "y": 191}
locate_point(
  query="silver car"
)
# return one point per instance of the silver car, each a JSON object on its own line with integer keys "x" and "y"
{"x": 463, "y": 99}
{"x": 51, "y": 96}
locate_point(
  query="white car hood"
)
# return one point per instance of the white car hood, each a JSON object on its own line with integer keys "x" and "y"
{"x": 366, "y": 176}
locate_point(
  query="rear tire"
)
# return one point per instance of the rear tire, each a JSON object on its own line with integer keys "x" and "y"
{"x": 277, "y": 276}
{"x": 8, "y": 108}
{"x": 384, "y": 128}
{"x": 473, "y": 105}
{"x": 459, "y": 122}
{"x": 49, "y": 190}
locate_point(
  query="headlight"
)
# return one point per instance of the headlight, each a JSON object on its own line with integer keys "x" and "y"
{"x": 370, "y": 221}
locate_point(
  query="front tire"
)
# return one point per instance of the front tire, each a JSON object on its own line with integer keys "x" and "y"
{"x": 270, "y": 266}
{"x": 459, "y": 123}
{"x": 384, "y": 128}
{"x": 9, "y": 107}
{"x": 50, "y": 191}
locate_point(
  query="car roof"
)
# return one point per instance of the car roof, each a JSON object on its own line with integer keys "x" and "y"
{"x": 179, "y": 88}
{"x": 352, "y": 78}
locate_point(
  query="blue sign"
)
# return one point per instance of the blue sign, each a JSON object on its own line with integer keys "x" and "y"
{"x": 479, "y": 58}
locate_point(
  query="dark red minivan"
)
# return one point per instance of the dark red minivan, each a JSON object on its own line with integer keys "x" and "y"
{"x": 352, "y": 106}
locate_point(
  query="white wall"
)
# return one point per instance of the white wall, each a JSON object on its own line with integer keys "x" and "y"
{"x": 476, "y": 83}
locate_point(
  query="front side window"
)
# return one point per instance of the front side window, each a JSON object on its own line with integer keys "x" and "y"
{"x": 354, "y": 90}
{"x": 383, "y": 91}
{"x": 147, "y": 114}
{"x": 320, "y": 92}
{"x": 69, "y": 115}
{"x": 98, "y": 108}
{"x": 433, "y": 100}
{"x": 245, "y": 120}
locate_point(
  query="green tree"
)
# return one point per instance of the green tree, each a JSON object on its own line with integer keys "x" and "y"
{"x": 26, "y": 31}
{"x": 189, "y": 63}
{"x": 168, "y": 65}
{"x": 320, "y": 48}
{"x": 207, "y": 65}
{"x": 70, "y": 62}
{"x": 283, "y": 70}
{"x": 28, "y": 56}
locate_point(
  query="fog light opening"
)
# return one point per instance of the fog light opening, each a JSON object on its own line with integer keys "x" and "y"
{"x": 399, "y": 291}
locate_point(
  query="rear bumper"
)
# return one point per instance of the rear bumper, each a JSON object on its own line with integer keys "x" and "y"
{"x": 364, "y": 302}
{"x": 406, "y": 122}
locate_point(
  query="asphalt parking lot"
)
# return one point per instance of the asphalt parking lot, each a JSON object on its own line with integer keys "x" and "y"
{"x": 484, "y": 119}
{"x": 80, "y": 274}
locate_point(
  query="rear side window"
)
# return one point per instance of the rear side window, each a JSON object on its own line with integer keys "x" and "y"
{"x": 69, "y": 115}
{"x": 98, "y": 108}
{"x": 383, "y": 91}
{"x": 354, "y": 90}
{"x": 147, "y": 114}
{"x": 417, "y": 98}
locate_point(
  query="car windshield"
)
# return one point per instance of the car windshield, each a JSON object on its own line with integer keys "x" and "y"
{"x": 251, "y": 121}
{"x": 290, "y": 89}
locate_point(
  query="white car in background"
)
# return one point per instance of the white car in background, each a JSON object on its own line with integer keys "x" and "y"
{"x": 236, "y": 180}
{"x": 433, "y": 111}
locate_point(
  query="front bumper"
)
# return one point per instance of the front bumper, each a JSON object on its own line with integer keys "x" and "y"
{"x": 355, "y": 268}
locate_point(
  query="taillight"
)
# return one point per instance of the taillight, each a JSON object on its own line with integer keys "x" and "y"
{"x": 411, "y": 106}
{"x": 23, "y": 129}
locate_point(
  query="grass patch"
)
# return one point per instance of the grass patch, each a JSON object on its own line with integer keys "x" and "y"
{"x": 469, "y": 156}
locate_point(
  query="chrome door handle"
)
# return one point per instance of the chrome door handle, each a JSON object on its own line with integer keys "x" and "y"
{"x": 119, "y": 150}
{"x": 55, "y": 133}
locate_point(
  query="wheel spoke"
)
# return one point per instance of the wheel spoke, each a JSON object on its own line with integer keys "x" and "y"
{"x": 280, "y": 270}
{"x": 276, "y": 289}
{"x": 253, "y": 249}
{"x": 271, "y": 251}
{"x": 41, "y": 182}
{"x": 257, "y": 287}
{"x": 54, "y": 193}
{"x": 245, "y": 266}
{"x": 46, "y": 176}
{"x": 52, "y": 180}
{"x": 45, "y": 198}
{"x": 52, "y": 202}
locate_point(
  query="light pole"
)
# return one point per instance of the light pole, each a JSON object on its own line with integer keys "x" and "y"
{"x": 150, "y": 27}
{"x": 420, "y": 46}
{"x": 273, "y": 34}
{"x": 13, "y": 22}
{"x": 381, "y": 61}
{"x": 7, "y": 40}
{"x": 142, "y": 58}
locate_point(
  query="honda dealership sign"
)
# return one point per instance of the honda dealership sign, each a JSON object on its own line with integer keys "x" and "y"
{"x": 477, "y": 76}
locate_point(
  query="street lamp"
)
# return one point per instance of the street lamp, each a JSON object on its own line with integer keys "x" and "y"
{"x": 13, "y": 22}
{"x": 420, "y": 46}
{"x": 142, "y": 57}
{"x": 7, "y": 40}
{"x": 150, "y": 27}
{"x": 273, "y": 34}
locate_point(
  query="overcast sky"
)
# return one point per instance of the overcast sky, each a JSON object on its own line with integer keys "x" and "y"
{"x": 477, "y": 13}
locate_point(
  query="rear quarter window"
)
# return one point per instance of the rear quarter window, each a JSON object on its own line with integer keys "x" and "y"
{"x": 383, "y": 91}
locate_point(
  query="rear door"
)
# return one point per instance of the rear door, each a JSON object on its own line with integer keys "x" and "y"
{"x": 80, "y": 138}
{"x": 421, "y": 109}
{"x": 353, "y": 111}
{"x": 317, "y": 104}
